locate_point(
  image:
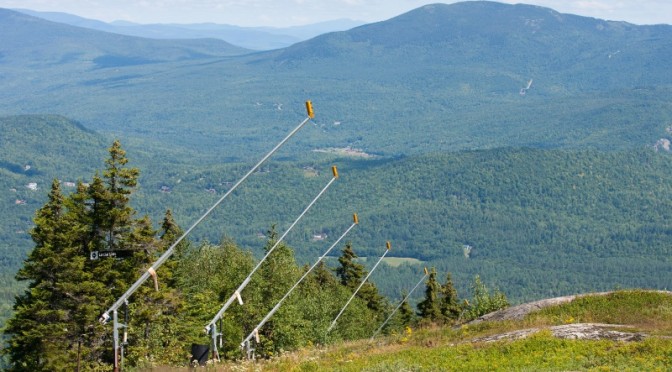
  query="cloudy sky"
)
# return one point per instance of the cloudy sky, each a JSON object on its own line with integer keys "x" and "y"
{"x": 281, "y": 13}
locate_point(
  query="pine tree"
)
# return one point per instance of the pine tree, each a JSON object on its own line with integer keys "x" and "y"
{"x": 350, "y": 272}
{"x": 406, "y": 313}
{"x": 429, "y": 309}
{"x": 449, "y": 302}
{"x": 56, "y": 314}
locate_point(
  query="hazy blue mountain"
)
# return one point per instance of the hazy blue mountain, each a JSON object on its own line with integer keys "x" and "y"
{"x": 440, "y": 78}
{"x": 256, "y": 38}
{"x": 509, "y": 41}
{"x": 34, "y": 42}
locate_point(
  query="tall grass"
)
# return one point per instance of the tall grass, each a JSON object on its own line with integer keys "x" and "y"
{"x": 645, "y": 310}
{"x": 452, "y": 349}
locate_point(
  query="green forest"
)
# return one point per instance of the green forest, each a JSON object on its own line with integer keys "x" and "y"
{"x": 535, "y": 222}
{"x": 91, "y": 245}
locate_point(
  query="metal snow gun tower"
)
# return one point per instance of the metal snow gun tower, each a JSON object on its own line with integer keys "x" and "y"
{"x": 151, "y": 271}
{"x": 398, "y": 306}
{"x": 255, "y": 332}
{"x": 388, "y": 246}
{"x": 211, "y": 328}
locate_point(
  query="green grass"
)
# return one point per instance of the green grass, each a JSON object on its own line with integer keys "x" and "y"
{"x": 648, "y": 311}
{"x": 449, "y": 349}
{"x": 539, "y": 352}
{"x": 395, "y": 261}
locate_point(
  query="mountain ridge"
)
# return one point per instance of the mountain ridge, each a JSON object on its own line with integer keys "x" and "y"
{"x": 254, "y": 38}
{"x": 42, "y": 43}
{"x": 496, "y": 89}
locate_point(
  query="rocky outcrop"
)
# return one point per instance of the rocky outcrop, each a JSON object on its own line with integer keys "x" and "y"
{"x": 519, "y": 312}
{"x": 578, "y": 331}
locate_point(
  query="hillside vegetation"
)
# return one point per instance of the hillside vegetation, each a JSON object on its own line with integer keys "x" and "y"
{"x": 513, "y": 142}
{"x": 439, "y": 78}
{"x": 539, "y": 222}
{"x": 459, "y": 349}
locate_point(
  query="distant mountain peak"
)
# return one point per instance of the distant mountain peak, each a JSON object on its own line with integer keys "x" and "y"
{"x": 465, "y": 27}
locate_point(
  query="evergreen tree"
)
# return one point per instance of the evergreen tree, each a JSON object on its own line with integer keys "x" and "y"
{"x": 120, "y": 182}
{"x": 55, "y": 322}
{"x": 169, "y": 233}
{"x": 350, "y": 272}
{"x": 54, "y": 327}
{"x": 449, "y": 302}
{"x": 406, "y": 313}
{"x": 403, "y": 318}
{"x": 429, "y": 309}
{"x": 156, "y": 305}
{"x": 323, "y": 276}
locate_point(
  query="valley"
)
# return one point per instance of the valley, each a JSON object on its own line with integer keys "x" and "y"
{"x": 538, "y": 140}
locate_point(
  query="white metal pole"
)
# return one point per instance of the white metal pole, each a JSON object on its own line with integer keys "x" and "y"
{"x": 358, "y": 288}
{"x": 106, "y": 315}
{"x": 398, "y": 306}
{"x": 277, "y": 306}
{"x": 237, "y": 293}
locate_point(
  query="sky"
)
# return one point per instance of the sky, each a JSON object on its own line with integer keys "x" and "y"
{"x": 283, "y": 13}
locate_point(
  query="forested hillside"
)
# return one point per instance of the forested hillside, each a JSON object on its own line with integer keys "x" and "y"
{"x": 439, "y": 78}
{"x": 539, "y": 222}
{"x": 532, "y": 149}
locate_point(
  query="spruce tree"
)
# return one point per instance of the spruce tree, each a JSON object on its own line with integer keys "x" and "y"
{"x": 54, "y": 327}
{"x": 449, "y": 303}
{"x": 169, "y": 233}
{"x": 350, "y": 272}
{"x": 120, "y": 181}
{"x": 406, "y": 313}
{"x": 323, "y": 276}
{"x": 429, "y": 309}
{"x": 55, "y": 323}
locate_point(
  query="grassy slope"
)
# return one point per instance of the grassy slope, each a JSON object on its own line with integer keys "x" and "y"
{"x": 449, "y": 349}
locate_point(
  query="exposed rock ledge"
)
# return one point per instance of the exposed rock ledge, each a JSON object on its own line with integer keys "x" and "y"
{"x": 578, "y": 331}
{"x": 581, "y": 331}
{"x": 519, "y": 312}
